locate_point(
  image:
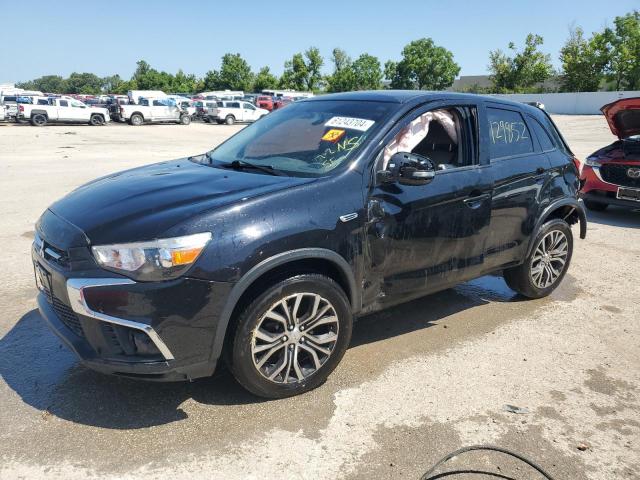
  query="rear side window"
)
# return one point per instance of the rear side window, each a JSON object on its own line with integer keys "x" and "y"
{"x": 64, "y": 103}
{"x": 508, "y": 134}
{"x": 543, "y": 137}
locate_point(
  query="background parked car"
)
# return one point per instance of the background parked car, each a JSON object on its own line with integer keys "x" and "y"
{"x": 264, "y": 101}
{"x": 282, "y": 102}
{"x": 611, "y": 175}
{"x": 154, "y": 110}
{"x": 232, "y": 111}
{"x": 63, "y": 110}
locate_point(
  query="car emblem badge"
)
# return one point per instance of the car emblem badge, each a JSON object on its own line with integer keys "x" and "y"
{"x": 633, "y": 173}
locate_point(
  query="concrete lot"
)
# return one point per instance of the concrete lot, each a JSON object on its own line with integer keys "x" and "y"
{"x": 419, "y": 380}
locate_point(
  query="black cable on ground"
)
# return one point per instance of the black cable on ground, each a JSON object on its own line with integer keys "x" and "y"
{"x": 429, "y": 474}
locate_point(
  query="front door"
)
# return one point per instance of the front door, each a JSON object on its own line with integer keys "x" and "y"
{"x": 422, "y": 238}
{"x": 78, "y": 111}
{"x": 248, "y": 112}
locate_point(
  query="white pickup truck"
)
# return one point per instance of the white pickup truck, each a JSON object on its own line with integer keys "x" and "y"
{"x": 153, "y": 110}
{"x": 62, "y": 110}
{"x": 231, "y": 112}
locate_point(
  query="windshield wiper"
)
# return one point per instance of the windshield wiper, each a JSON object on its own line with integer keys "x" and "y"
{"x": 244, "y": 165}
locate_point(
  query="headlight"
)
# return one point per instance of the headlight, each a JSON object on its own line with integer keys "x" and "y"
{"x": 592, "y": 163}
{"x": 161, "y": 259}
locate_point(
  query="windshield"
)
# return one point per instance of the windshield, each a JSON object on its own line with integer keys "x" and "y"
{"x": 306, "y": 139}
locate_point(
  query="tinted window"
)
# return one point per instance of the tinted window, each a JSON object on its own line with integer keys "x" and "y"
{"x": 543, "y": 137}
{"x": 64, "y": 103}
{"x": 308, "y": 138}
{"x": 508, "y": 134}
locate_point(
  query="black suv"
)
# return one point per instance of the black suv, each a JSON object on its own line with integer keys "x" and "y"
{"x": 263, "y": 250}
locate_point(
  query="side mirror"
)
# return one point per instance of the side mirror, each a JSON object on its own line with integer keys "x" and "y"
{"x": 408, "y": 169}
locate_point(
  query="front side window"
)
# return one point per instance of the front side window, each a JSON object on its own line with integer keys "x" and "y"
{"x": 438, "y": 135}
{"x": 508, "y": 134}
{"x": 307, "y": 139}
{"x": 77, "y": 104}
{"x": 248, "y": 106}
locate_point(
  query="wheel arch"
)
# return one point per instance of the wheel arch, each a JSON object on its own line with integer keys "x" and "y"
{"x": 569, "y": 209}
{"x": 304, "y": 260}
{"x": 39, "y": 112}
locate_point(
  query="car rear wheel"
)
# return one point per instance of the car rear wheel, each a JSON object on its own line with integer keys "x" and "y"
{"x": 96, "y": 120}
{"x": 546, "y": 265}
{"x": 291, "y": 337}
{"x": 230, "y": 120}
{"x": 39, "y": 120}
{"x": 595, "y": 206}
{"x": 136, "y": 120}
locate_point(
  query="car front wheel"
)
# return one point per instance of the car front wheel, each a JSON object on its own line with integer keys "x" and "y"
{"x": 230, "y": 120}
{"x": 547, "y": 264}
{"x": 291, "y": 337}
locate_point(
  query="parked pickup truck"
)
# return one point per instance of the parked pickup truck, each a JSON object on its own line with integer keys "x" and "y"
{"x": 62, "y": 110}
{"x": 153, "y": 110}
{"x": 232, "y": 111}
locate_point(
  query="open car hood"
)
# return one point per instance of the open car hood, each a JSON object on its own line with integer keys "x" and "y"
{"x": 623, "y": 117}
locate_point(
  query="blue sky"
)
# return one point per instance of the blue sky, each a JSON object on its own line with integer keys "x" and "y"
{"x": 59, "y": 37}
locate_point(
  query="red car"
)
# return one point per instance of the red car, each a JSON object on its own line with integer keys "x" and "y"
{"x": 264, "y": 101}
{"x": 282, "y": 102}
{"x": 611, "y": 176}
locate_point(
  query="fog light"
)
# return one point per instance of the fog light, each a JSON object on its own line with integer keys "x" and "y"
{"x": 144, "y": 345}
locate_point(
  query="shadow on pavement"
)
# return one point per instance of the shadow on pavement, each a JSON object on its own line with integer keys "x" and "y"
{"x": 49, "y": 378}
{"x": 616, "y": 217}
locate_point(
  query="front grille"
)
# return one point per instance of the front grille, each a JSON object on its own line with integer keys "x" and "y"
{"x": 51, "y": 253}
{"x": 617, "y": 174}
{"x": 67, "y": 316}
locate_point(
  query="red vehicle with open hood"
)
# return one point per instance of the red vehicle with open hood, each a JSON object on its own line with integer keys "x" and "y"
{"x": 611, "y": 175}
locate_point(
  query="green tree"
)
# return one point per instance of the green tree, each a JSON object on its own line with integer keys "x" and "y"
{"x": 314, "y": 64}
{"x": 295, "y": 73}
{"x": 211, "y": 80}
{"x": 520, "y": 72}
{"x": 424, "y": 65}
{"x": 302, "y": 72}
{"x": 235, "y": 73}
{"x": 85, "y": 83}
{"x": 366, "y": 72}
{"x": 624, "y": 42}
{"x": 583, "y": 62}
{"x": 264, "y": 79}
{"x": 46, "y": 83}
{"x": 342, "y": 79}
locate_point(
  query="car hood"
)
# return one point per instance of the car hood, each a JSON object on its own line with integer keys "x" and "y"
{"x": 623, "y": 117}
{"x": 142, "y": 203}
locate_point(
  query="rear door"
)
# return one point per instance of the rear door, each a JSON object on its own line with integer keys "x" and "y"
{"x": 63, "y": 110}
{"x": 520, "y": 171}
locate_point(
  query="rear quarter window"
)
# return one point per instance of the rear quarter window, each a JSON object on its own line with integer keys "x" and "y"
{"x": 546, "y": 143}
{"x": 508, "y": 134}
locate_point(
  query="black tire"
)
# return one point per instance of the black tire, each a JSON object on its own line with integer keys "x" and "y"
{"x": 219, "y": 122}
{"x": 136, "y": 120}
{"x": 39, "y": 119}
{"x": 230, "y": 120}
{"x": 595, "y": 206}
{"x": 241, "y": 356}
{"x": 520, "y": 278}
{"x": 185, "y": 120}
{"x": 96, "y": 120}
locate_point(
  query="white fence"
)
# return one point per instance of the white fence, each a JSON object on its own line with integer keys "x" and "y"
{"x": 582, "y": 103}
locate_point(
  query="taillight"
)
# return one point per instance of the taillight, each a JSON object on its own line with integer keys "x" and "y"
{"x": 121, "y": 111}
{"x": 21, "y": 108}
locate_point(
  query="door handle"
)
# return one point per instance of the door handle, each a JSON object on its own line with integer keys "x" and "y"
{"x": 476, "y": 200}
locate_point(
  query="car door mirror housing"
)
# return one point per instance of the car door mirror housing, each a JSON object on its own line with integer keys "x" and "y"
{"x": 408, "y": 169}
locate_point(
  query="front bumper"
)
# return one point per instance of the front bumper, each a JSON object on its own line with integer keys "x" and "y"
{"x": 151, "y": 330}
{"x": 593, "y": 188}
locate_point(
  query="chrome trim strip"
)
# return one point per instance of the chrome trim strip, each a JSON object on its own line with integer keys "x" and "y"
{"x": 75, "y": 287}
{"x": 348, "y": 217}
{"x": 53, "y": 254}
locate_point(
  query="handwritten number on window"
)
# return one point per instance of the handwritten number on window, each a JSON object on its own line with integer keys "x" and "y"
{"x": 508, "y": 132}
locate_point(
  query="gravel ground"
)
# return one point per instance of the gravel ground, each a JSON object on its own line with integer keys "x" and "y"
{"x": 419, "y": 380}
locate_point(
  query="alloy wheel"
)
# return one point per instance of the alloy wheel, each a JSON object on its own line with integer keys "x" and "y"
{"x": 294, "y": 338}
{"x": 549, "y": 259}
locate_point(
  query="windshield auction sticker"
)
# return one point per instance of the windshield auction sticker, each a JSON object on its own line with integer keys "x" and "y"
{"x": 351, "y": 123}
{"x": 333, "y": 135}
